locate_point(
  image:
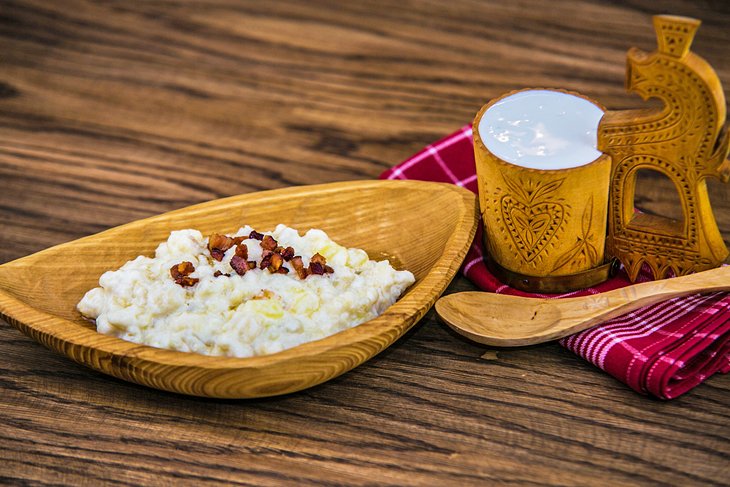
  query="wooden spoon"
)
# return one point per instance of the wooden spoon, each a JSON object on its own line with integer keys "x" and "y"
{"x": 512, "y": 321}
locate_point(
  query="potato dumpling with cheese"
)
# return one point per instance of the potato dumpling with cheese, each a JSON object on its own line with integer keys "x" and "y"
{"x": 244, "y": 294}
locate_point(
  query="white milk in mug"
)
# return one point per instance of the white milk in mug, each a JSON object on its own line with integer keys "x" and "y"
{"x": 543, "y": 188}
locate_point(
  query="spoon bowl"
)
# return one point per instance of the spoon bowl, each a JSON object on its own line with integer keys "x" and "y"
{"x": 512, "y": 321}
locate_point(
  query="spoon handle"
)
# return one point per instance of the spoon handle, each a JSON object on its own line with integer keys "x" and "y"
{"x": 624, "y": 300}
{"x": 706, "y": 282}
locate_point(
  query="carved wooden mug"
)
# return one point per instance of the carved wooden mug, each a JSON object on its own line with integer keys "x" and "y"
{"x": 546, "y": 201}
{"x": 543, "y": 189}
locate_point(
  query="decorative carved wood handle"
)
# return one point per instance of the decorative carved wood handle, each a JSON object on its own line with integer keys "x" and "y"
{"x": 683, "y": 140}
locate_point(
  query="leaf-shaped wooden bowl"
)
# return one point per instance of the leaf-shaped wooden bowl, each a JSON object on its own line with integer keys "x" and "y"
{"x": 423, "y": 227}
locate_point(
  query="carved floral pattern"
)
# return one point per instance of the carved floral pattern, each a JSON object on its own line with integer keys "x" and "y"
{"x": 584, "y": 253}
{"x": 531, "y": 217}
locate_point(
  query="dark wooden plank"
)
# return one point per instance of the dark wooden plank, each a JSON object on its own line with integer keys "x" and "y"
{"x": 111, "y": 111}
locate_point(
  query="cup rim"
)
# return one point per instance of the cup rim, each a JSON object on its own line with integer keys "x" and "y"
{"x": 480, "y": 143}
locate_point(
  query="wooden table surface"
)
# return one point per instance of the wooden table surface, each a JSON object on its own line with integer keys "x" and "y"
{"x": 111, "y": 111}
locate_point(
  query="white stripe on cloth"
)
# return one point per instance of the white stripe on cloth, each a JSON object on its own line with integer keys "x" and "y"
{"x": 472, "y": 262}
{"x": 585, "y": 343}
{"x": 466, "y": 181}
{"x": 445, "y": 167}
{"x": 430, "y": 150}
{"x": 639, "y": 324}
{"x": 680, "y": 308}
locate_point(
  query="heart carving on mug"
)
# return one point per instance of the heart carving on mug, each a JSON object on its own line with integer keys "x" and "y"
{"x": 531, "y": 227}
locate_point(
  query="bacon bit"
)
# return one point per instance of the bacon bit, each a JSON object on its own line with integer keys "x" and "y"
{"x": 276, "y": 262}
{"x": 318, "y": 258}
{"x": 242, "y": 251}
{"x": 187, "y": 281}
{"x": 180, "y": 273}
{"x": 298, "y": 265}
{"x": 218, "y": 244}
{"x": 183, "y": 269}
{"x": 287, "y": 253}
{"x": 239, "y": 264}
{"x": 265, "y": 259}
{"x": 272, "y": 258}
{"x": 318, "y": 265}
{"x": 268, "y": 243}
{"x": 316, "y": 268}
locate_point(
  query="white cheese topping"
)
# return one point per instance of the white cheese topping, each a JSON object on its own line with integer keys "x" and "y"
{"x": 241, "y": 316}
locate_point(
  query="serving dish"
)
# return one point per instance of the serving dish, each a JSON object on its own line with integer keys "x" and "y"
{"x": 420, "y": 226}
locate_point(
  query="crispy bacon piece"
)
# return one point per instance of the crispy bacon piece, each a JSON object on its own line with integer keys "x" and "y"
{"x": 180, "y": 274}
{"x": 268, "y": 243}
{"x": 187, "y": 281}
{"x": 316, "y": 268}
{"x": 219, "y": 273}
{"x": 318, "y": 258}
{"x": 283, "y": 270}
{"x": 255, "y": 235}
{"x": 265, "y": 259}
{"x": 242, "y": 251}
{"x": 251, "y": 264}
{"x": 276, "y": 262}
{"x": 298, "y": 265}
{"x": 184, "y": 268}
{"x": 318, "y": 265}
{"x": 239, "y": 264}
{"x": 287, "y": 253}
{"x": 218, "y": 244}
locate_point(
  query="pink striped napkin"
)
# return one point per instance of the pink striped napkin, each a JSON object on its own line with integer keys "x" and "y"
{"x": 662, "y": 350}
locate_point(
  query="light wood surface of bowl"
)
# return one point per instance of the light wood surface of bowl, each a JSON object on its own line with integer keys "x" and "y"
{"x": 425, "y": 228}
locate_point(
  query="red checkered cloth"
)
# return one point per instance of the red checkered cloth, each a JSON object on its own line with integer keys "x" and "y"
{"x": 662, "y": 350}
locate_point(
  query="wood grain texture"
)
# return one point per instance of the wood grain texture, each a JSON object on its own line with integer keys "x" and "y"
{"x": 376, "y": 216}
{"x": 111, "y": 111}
{"x": 503, "y": 320}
